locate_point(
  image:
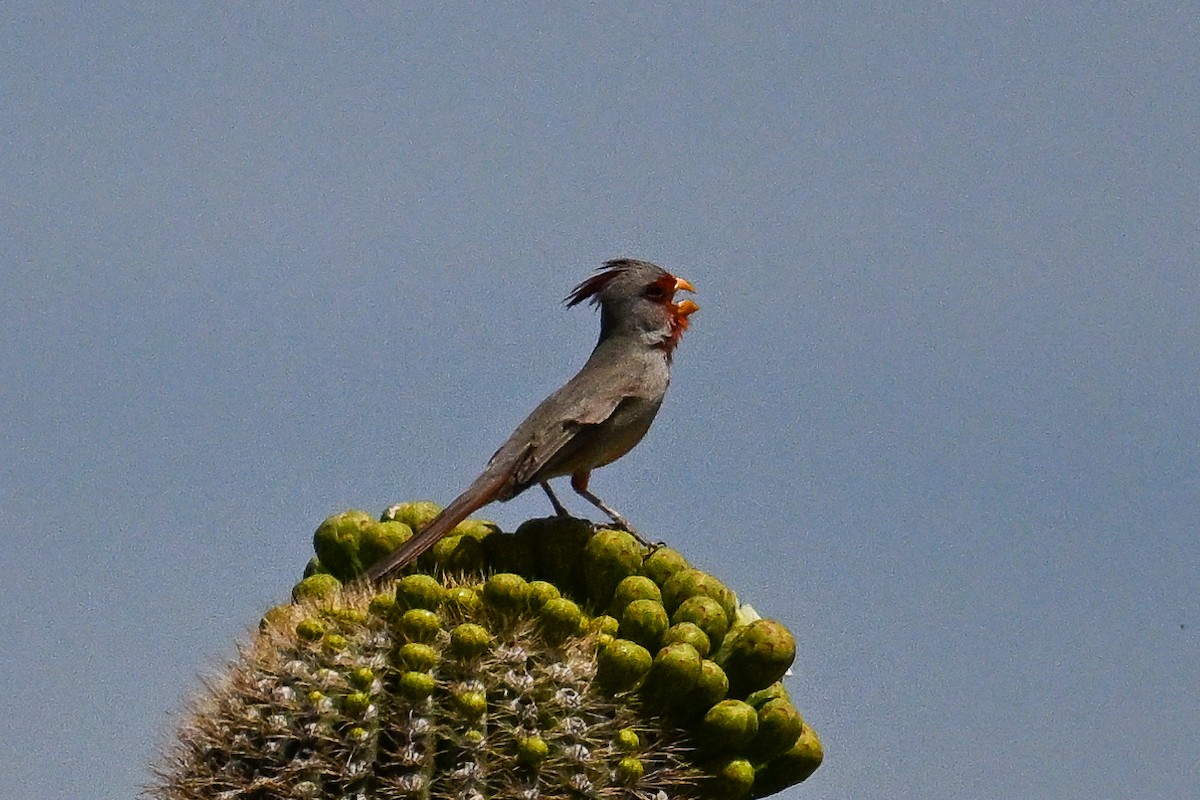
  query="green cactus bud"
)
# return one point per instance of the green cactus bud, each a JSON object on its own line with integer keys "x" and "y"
{"x": 457, "y": 554}
{"x": 419, "y": 591}
{"x": 560, "y": 617}
{"x": 729, "y": 726}
{"x": 416, "y": 514}
{"x": 622, "y": 665}
{"x": 604, "y": 625}
{"x": 756, "y": 655}
{"x": 707, "y": 614}
{"x": 344, "y": 617}
{"x": 775, "y": 691}
{"x": 506, "y": 592}
{"x": 310, "y": 630}
{"x": 384, "y": 606}
{"x": 470, "y": 704}
{"x": 688, "y": 632}
{"x": 479, "y": 529}
{"x": 610, "y": 557}
{"x": 469, "y": 640}
{"x": 540, "y": 592}
{"x": 462, "y": 600}
{"x": 674, "y": 674}
{"x": 314, "y": 567}
{"x": 420, "y": 625}
{"x": 356, "y": 704}
{"x": 417, "y": 656}
{"x": 321, "y": 586}
{"x": 662, "y": 564}
{"x": 379, "y": 539}
{"x": 532, "y": 750}
{"x": 628, "y": 740}
{"x": 793, "y": 766}
{"x": 633, "y": 587}
{"x": 362, "y": 678}
{"x": 732, "y": 779}
{"x": 558, "y": 542}
{"x": 692, "y": 583}
{"x": 711, "y": 687}
{"x": 336, "y": 542}
{"x": 335, "y": 642}
{"x": 779, "y": 726}
{"x": 630, "y": 770}
{"x": 415, "y": 686}
{"x": 645, "y": 622}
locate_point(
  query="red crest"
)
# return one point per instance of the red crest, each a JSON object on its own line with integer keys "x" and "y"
{"x": 590, "y": 289}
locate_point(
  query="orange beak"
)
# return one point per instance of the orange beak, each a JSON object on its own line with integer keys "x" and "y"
{"x": 682, "y": 310}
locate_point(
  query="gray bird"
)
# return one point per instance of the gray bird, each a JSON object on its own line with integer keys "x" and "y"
{"x": 596, "y": 417}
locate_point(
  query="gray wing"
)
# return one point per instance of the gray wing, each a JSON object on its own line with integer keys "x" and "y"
{"x": 595, "y": 418}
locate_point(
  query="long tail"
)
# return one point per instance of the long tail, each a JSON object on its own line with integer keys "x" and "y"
{"x": 481, "y": 492}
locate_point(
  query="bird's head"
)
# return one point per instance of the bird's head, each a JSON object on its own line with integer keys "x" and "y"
{"x": 637, "y": 298}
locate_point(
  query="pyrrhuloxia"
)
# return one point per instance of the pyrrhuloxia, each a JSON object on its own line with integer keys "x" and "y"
{"x": 593, "y": 420}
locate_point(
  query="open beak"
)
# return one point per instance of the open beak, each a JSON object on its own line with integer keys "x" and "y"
{"x": 686, "y": 308}
{"x": 681, "y": 311}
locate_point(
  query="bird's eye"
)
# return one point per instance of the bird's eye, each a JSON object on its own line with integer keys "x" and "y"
{"x": 656, "y": 292}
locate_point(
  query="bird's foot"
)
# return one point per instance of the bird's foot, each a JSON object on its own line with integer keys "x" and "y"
{"x": 614, "y": 525}
{"x": 621, "y": 523}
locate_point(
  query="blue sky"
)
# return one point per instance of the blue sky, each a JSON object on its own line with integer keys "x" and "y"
{"x": 938, "y": 411}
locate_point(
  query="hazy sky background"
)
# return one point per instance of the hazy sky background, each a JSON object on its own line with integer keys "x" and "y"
{"x": 938, "y": 411}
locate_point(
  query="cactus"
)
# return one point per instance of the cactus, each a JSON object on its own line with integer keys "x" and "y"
{"x": 522, "y": 666}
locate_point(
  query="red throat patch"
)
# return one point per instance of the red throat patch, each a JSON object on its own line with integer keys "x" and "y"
{"x": 679, "y": 323}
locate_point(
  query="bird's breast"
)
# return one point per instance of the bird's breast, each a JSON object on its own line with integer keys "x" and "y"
{"x": 620, "y": 432}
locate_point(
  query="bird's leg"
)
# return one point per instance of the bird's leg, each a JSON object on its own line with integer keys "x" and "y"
{"x": 579, "y": 482}
{"x": 559, "y": 508}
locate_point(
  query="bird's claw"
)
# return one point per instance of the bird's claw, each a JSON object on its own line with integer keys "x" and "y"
{"x": 623, "y": 525}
